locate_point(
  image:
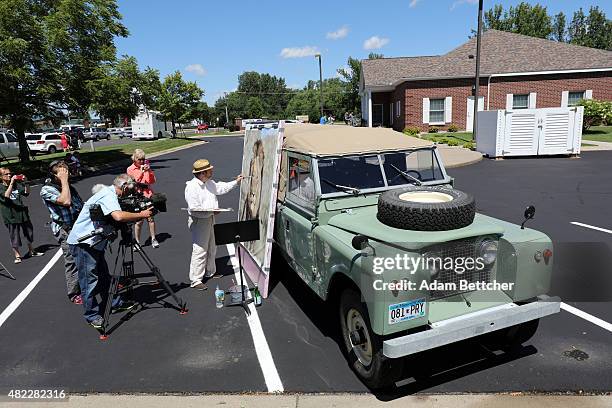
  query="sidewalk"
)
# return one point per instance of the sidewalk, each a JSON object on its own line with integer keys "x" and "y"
{"x": 596, "y": 145}
{"x": 327, "y": 400}
{"x": 454, "y": 156}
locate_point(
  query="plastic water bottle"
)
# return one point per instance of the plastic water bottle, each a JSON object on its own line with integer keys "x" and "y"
{"x": 219, "y": 297}
{"x": 256, "y": 296}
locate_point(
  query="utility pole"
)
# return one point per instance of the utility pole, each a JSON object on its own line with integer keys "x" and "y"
{"x": 226, "y": 113}
{"x": 477, "y": 83}
{"x": 320, "y": 83}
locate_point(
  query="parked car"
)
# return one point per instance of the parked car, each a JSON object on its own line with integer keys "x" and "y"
{"x": 126, "y": 132}
{"x": 44, "y": 142}
{"x": 118, "y": 132}
{"x": 353, "y": 198}
{"x": 9, "y": 146}
{"x": 95, "y": 133}
{"x": 202, "y": 127}
{"x": 66, "y": 128}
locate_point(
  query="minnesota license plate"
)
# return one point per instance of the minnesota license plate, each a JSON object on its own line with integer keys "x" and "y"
{"x": 400, "y": 312}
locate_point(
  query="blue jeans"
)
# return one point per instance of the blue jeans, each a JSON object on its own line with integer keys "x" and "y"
{"x": 94, "y": 279}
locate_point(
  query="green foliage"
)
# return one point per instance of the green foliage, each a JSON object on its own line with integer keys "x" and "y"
{"x": 595, "y": 112}
{"x": 412, "y": 130}
{"x": 592, "y": 30}
{"x": 469, "y": 145}
{"x": 178, "y": 98}
{"x": 452, "y": 142}
{"x": 49, "y": 52}
{"x": 453, "y": 128}
{"x": 351, "y": 77}
{"x": 306, "y": 102}
{"x": 434, "y": 129}
{"x": 374, "y": 55}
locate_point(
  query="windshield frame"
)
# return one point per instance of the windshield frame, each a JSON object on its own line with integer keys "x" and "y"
{"x": 445, "y": 180}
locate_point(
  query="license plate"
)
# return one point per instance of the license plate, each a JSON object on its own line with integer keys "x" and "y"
{"x": 401, "y": 312}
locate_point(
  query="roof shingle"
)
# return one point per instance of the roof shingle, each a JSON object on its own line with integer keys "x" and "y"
{"x": 501, "y": 53}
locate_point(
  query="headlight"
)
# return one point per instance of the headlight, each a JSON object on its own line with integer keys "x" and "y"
{"x": 488, "y": 251}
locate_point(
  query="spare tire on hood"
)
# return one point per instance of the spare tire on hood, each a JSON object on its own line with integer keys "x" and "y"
{"x": 426, "y": 208}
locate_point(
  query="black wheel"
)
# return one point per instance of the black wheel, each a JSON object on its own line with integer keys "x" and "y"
{"x": 159, "y": 134}
{"x": 52, "y": 149}
{"x": 511, "y": 337}
{"x": 425, "y": 208}
{"x": 97, "y": 138}
{"x": 108, "y": 137}
{"x": 363, "y": 347}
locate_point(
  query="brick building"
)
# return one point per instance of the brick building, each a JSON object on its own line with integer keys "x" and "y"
{"x": 517, "y": 72}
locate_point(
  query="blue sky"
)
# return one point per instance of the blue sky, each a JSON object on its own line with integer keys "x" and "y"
{"x": 212, "y": 42}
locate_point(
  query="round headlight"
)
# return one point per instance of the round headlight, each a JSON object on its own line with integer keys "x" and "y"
{"x": 488, "y": 251}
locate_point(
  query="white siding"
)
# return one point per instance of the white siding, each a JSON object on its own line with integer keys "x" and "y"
{"x": 425, "y": 110}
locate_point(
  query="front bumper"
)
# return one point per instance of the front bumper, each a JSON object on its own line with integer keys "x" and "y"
{"x": 470, "y": 325}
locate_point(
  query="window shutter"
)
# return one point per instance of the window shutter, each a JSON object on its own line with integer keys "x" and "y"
{"x": 564, "y": 98}
{"x": 425, "y": 110}
{"x": 532, "y": 100}
{"x": 509, "y": 101}
{"x": 588, "y": 94}
{"x": 448, "y": 109}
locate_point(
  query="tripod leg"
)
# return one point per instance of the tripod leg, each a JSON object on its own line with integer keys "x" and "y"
{"x": 112, "y": 291}
{"x": 155, "y": 270}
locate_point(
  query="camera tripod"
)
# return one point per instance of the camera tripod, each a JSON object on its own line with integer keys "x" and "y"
{"x": 125, "y": 251}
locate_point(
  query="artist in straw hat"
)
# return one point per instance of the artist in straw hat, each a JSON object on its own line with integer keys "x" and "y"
{"x": 201, "y": 195}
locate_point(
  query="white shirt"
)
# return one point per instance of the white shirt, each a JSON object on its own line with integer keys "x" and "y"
{"x": 204, "y": 195}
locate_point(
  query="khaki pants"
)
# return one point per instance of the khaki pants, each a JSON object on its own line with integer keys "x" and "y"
{"x": 204, "y": 249}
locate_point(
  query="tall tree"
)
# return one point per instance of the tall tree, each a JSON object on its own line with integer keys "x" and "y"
{"x": 49, "y": 51}
{"x": 522, "y": 19}
{"x": 559, "y": 30}
{"x": 178, "y": 97}
{"x": 352, "y": 77}
{"x": 599, "y": 30}
{"x": 577, "y": 30}
{"x": 306, "y": 102}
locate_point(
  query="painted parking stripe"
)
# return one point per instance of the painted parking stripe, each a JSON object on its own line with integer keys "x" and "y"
{"x": 591, "y": 227}
{"x": 6, "y": 313}
{"x": 584, "y": 315}
{"x": 264, "y": 355}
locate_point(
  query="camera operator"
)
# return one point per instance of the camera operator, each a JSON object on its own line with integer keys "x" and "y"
{"x": 94, "y": 277}
{"x": 64, "y": 205}
{"x": 15, "y": 213}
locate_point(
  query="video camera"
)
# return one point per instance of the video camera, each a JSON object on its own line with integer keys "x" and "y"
{"x": 136, "y": 203}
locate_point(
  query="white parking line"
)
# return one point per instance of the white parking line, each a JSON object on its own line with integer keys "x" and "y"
{"x": 595, "y": 320}
{"x": 591, "y": 227}
{"x": 264, "y": 355}
{"x": 6, "y": 313}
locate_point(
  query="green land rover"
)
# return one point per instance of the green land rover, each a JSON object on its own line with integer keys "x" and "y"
{"x": 370, "y": 221}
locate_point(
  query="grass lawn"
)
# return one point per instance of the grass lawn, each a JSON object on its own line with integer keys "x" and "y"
{"x": 452, "y": 139}
{"x": 598, "y": 133}
{"x": 103, "y": 155}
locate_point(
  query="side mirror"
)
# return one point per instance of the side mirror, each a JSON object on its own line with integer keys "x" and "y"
{"x": 359, "y": 242}
{"x": 529, "y": 213}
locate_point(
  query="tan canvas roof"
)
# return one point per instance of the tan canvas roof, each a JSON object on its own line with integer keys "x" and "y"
{"x": 339, "y": 140}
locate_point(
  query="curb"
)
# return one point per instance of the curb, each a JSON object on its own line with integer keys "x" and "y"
{"x": 467, "y": 163}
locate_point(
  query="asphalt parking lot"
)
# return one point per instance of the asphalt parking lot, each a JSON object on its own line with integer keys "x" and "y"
{"x": 46, "y": 343}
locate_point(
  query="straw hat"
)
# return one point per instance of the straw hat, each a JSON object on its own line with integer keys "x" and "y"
{"x": 201, "y": 165}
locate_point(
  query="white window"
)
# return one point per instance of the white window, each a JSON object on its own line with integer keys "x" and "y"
{"x": 301, "y": 183}
{"x": 436, "y": 110}
{"x": 574, "y": 97}
{"x": 520, "y": 101}
{"x": 397, "y": 109}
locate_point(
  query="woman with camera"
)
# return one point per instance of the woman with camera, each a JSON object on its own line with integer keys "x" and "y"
{"x": 15, "y": 213}
{"x": 141, "y": 172}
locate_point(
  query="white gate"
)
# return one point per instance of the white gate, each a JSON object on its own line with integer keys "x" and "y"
{"x": 521, "y": 126}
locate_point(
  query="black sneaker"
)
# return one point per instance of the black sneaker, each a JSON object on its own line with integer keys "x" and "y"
{"x": 124, "y": 307}
{"x": 97, "y": 322}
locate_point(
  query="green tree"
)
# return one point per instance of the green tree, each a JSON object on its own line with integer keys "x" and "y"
{"x": 599, "y": 30}
{"x": 559, "y": 30}
{"x": 374, "y": 55}
{"x": 112, "y": 92}
{"x": 306, "y": 102}
{"x": 178, "y": 97}
{"x": 49, "y": 51}
{"x": 200, "y": 112}
{"x": 352, "y": 76}
{"x": 526, "y": 19}
{"x": 577, "y": 30}
{"x": 254, "y": 107}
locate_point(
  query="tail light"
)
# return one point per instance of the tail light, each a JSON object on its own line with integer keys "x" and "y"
{"x": 40, "y": 142}
{"x": 547, "y": 255}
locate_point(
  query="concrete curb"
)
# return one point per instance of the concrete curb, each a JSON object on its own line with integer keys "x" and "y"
{"x": 510, "y": 400}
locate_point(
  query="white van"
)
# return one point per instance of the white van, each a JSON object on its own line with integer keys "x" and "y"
{"x": 9, "y": 146}
{"x": 150, "y": 125}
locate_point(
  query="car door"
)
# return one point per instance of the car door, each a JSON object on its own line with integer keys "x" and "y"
{"x": 12, "y": 145}
{"x": 297, "y": 216}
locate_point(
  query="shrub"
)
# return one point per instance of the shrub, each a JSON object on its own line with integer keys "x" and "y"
{"x": 469, "y": 145}
{"x": 412, "y": 130}
{"x": 453, "y": 128}
{"x": 453, "y": 143}
{"x": 595, "y": 112}
{"x": 441, "y": 140}
{"x": 434, "y": 129}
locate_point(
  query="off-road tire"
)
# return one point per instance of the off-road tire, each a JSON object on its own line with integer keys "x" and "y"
{"x": 415, "y": 216}
{"x": 382, "y": 372}
{"x": 511, "y": 337}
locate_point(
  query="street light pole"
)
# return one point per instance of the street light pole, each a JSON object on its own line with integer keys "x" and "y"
{"x": 477, "y": 84}
{"x": 320, "y": 84}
